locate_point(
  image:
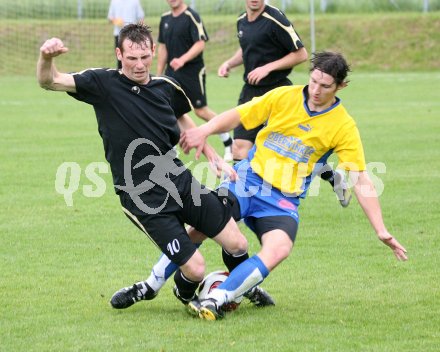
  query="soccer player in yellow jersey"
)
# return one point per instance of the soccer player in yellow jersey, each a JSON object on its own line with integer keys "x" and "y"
{"x": 303, "y": 126}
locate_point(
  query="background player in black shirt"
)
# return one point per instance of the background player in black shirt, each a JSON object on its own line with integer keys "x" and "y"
{"x": 269, "y": 49}
{"x": 139, "y": 119}
{"x": 182, "y": 38}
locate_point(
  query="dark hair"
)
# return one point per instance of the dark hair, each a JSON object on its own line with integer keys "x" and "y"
{"x": 138, "y": 33}
{"x": 333, "y": 64}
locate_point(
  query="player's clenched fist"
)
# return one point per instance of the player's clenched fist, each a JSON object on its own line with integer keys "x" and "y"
{"x": 52, "y": 48}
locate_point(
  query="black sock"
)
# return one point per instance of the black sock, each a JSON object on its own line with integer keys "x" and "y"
{"x": 228, "y": 143}
{"x": 186, "y": 287}
{"x": 327, "y": 174}
{"x": 232, "y": 261}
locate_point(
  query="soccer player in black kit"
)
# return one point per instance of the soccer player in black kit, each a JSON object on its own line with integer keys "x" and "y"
{"x": 182, "y": 38}
{"x": 140, "y": 118}
{"x": 269, "y": 49}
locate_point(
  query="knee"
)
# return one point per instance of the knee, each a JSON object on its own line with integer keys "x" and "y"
{"x": 242, "y": 244}
{"x": 240, "y": 150}
{"x": 196, "y": 236}
{"x": 202, "y": 113}
{"x": 239, "y": 244}
{"x": 274, "y": 256}
{"x": 283, "y": 252}
{"x": 194, "y": 268}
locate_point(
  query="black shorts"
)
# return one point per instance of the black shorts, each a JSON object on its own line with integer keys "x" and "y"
{"x": 268, "y": 223}
{"x": 193, "y": 82}
{"x": 248, "y": 92}
{"x": 206, "y": 212}
{"x": 260, "y": 225}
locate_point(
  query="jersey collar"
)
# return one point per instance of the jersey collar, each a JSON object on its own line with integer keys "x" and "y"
{"x": 317, "y": 113}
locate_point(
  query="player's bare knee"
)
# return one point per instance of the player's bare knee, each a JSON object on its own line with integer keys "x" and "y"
{"x": 237, "y": 244}
{"x": 232, "y": 239}
{"x": 272, "y": 256}
{"x": 283, "y": 252}
{"x": 240, "y": 149}
{"x": 194, "y": 268}
{"x": 195, "y": 235}
{"x": 242, "y": 244}
{"x": 202, "y": 113}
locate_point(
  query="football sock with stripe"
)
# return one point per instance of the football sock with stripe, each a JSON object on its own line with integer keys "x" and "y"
{"x": 327, "y": 174}
{"x": 245, "y": 276}
{"x": 226, "y": 139}
{"x": 162, "y": 271}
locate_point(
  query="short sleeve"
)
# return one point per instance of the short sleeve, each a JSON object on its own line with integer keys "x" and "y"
{"x": 90, "y": 86}
{"x": 160, "y": 38}
{"x": 285, "y": 34}
{"x": 349, "y": 149}
{"x": 198, "y": 31}
{"x": 255, "y": 112}
{"x": 180, "y": 103}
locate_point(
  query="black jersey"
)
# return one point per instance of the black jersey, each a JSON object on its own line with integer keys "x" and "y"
{"x": 268, "y": 38}
{"x": 137, "y": 120}
{"x": 180, "y": 33}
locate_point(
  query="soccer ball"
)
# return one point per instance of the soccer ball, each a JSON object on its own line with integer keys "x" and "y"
{"x": 213, "y": 280}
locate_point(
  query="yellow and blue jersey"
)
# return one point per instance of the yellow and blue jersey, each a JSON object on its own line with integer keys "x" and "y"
{"x": 295, "y": 142}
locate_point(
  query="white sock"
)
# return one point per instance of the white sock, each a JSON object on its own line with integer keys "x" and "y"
{"x": 161, "y": 271}
{"x": 224, "y": 136}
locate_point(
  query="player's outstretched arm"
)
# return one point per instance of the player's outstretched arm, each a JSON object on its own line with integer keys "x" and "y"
{"x": 196, "y": 137}
{"x": 186, "y": 123}
{"x": 218, "y": 165}
{"x": 366, "y": 194}
{"x": 47, "y": 75}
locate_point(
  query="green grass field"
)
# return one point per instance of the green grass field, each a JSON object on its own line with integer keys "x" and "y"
{"x": 340, "y": 290}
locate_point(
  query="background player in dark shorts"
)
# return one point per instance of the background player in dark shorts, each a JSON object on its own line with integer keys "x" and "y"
{"x": 140, "y": 118}
{"x": 269, "y": 49}
{"x": 182, "y": 38}
{"x": 248, "y": 92}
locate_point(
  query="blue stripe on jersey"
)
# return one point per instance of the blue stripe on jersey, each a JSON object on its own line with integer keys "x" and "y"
{"x": 319, "y": 164}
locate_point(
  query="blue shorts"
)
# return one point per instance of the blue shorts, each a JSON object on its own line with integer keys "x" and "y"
{"x": 257, "y": 198}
